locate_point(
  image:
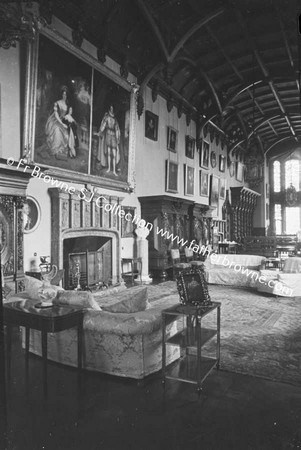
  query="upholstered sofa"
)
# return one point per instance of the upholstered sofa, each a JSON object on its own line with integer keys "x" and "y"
{"x": 233, "y": 270}
{"x": 285, "y": 283}
{"x": 122, "y": 332}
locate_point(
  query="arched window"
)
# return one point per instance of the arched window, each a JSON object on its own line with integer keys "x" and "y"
{"x": 292, "y": 173}
{"x": 276, "y": 176}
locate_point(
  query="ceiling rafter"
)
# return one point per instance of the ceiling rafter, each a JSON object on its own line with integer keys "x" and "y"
{"x": 206, "y": 78}
{"x": 287, "y": 47}
{"x": 154, "y": 27}
{"x": 265, "y": 120}
{"x": 191, "y": 32}
{"x": 263, "y": 68}
{"x": 277, "y": 142}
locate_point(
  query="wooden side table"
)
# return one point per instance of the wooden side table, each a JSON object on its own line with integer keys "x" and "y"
{"x": 192, "y": 367}
{"x": 46, "y": 320}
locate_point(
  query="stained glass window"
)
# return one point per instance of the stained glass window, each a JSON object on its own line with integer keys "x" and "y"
{"x": 276, "y": 173}
{"x": 292, "y": 173}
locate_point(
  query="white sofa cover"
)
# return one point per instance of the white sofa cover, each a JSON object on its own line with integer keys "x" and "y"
{"x": 286, "y": 283}
{"x": 233, "y": 270}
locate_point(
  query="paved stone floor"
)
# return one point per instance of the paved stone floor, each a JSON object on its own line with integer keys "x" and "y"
{"x": 107, "y": 413}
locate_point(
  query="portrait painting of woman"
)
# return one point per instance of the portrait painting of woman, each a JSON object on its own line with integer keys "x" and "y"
{"x": 57, "y": 136}
{"x": 62, "y": 109}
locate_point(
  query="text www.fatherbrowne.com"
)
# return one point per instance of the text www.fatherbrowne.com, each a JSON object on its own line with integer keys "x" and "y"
{"x": 102, "y": 202}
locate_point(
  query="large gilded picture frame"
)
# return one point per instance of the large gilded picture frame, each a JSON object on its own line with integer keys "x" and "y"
{"x": 79, "y": 116}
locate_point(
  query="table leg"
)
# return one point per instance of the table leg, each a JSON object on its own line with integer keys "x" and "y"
{"x": 8, "y": 348}
{"x": 199, "y": 354}
{"x": 44, "y": 356}
{"x": 80, "y": 345}
{"x": 163, "y": 349}
{"x": 218, "y": 349}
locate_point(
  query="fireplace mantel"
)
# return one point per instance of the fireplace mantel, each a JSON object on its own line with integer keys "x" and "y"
{"x": 72, "y": 217}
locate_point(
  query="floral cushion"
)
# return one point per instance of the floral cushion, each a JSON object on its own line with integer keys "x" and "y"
{"x": 77, "y": 298}
{"x": 33, "y": 286}
{"x": 131, "y": 301}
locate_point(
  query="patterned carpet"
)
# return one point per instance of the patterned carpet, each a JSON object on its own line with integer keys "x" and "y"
{"x": 260, "y": 334}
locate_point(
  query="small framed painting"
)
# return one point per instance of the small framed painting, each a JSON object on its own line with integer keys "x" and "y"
{"x": 232, "y": 169}
{"x": 151, "y": 125}
{"x": 222, "y": 163}
{"x": 31, "y": 215}
{"x": 204, "y": 155}
{"x": 189, "y": 146}
{"x": 204, "y": 183}
{"x": 222, "y": 188}
{"x": 214, "y": 190}
{"x": 267, "y": 190}
{"x": 127, "y": 225}
{"x": 239, "y": 171}
{"x": 172, "y": 170}
{"x": 213, "y": 159}
{"x": 188, "y": 180}
{"x": 172, "y": 138}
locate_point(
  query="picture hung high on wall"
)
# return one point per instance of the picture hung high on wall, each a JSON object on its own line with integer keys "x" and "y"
{"x": 151, "y": 125}
{"x": 222, "y": 163}
{"x": 222, "y": 188}
{"x": 214, "y": 190}
{"x": 63, "y": 108}
{"x": 172, "y": 138}
{"x": 189, "y": 146}
{"x": 127, "y": 225}
{"x": 78, "y": 119}
{"x": 213, "y": 159}
{"x": 239, "y": 171}
{"x": 188, "y": 180}
{"x": 171, "y": 176}
{"x": 204, "y": 183}
{"x": 204, "y": 155}
{"x": 110, "y": 129}
{"x": 232, "y": 169}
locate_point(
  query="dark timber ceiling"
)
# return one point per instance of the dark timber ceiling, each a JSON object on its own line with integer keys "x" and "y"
{"x": 236, "y": 62}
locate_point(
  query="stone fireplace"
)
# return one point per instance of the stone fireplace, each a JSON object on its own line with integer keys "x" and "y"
{"x": 85, "y": 239}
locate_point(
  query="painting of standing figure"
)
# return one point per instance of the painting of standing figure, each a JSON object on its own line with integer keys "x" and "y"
{"x": 110, "y": 129}
{"x": 63, "y": 108}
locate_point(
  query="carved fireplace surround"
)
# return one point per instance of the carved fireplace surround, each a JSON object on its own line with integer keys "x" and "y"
{"x": 74, "y": 218}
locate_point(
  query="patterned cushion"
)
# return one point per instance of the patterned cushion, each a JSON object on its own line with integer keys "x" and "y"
{"x": 292, "y": 265}
{"x": 32, "y": 286}
{"x": 131, "y": 301}
{"x": 77, "y": 298}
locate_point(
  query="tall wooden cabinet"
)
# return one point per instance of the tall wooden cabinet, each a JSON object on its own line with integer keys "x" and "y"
{"x": 243, "y": 203}
{"x": 12, "y": 195}
{"x": 182, "y": 218}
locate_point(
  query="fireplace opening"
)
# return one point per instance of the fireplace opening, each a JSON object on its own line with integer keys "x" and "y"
{"x": 87, "y": 261}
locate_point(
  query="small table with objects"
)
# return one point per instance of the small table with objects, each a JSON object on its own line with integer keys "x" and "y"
{"x": 51, "y": 319}
{"x": 192, "y": 367}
